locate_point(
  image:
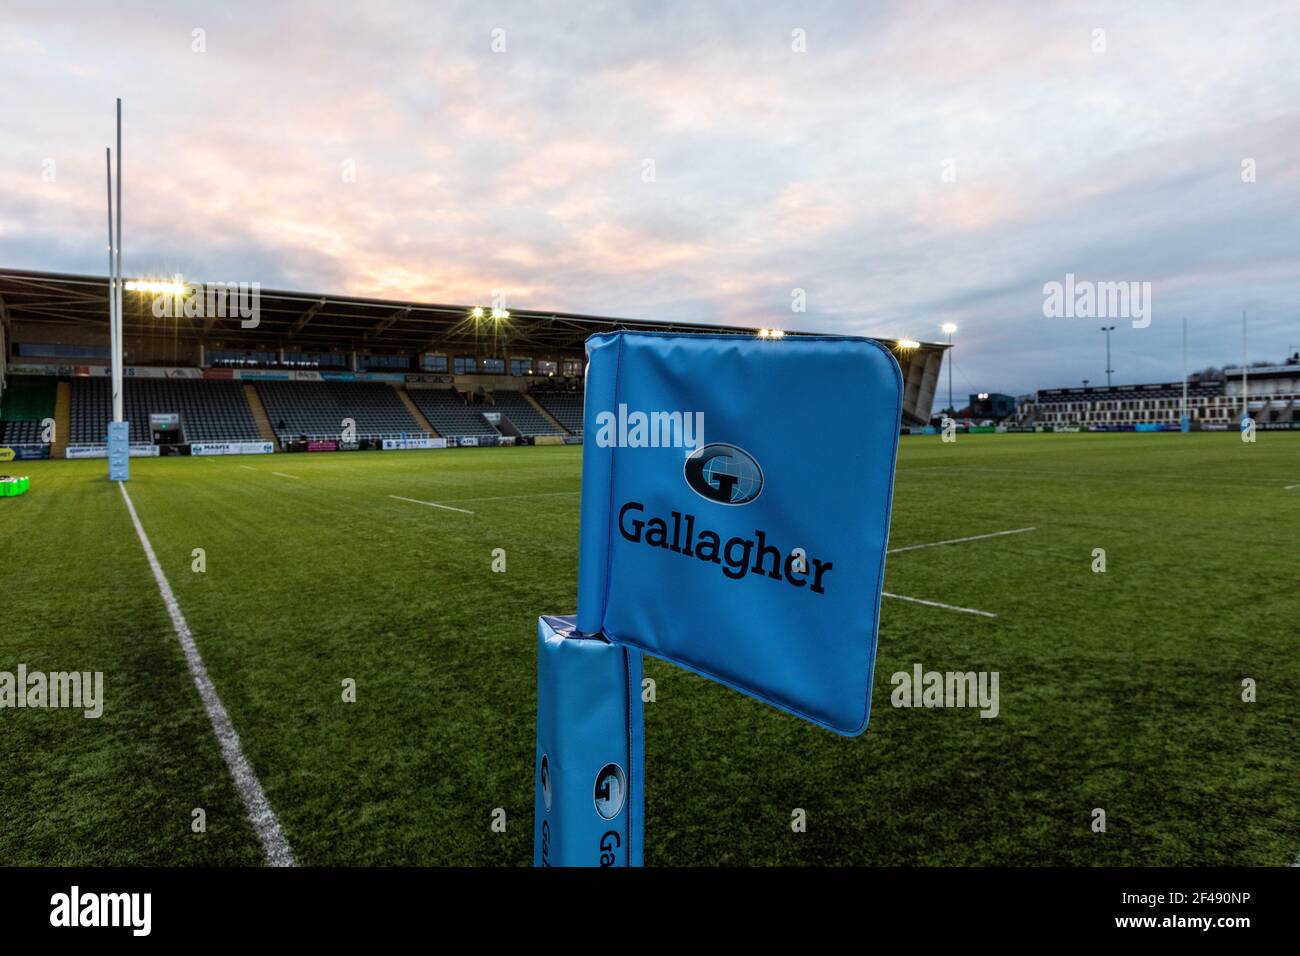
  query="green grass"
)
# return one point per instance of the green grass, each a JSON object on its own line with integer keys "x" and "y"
{"x": 1119, "y": 690}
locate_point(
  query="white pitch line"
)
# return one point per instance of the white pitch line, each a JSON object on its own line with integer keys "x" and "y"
{"x": 540, "y": 494}
{"x": 260, "y": 815}
{"x": 1289, "y": 487}
{"x": 431, "y": 504}
{"x": 249, "y": 467}
{"x": 946, "y": 607}
{"x": 283, "y": 475}
{"x": 974, "y": 537}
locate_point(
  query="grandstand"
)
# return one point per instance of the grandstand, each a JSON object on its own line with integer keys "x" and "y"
{"x": 210, "y": 411}
{"x": 318, "y": 410}
{"x": 527, "y": 418}
{"x": 398, "y": 370}
{"x": 27, "y": 403}
{"x": 448, "y": 413}
{"x": 564, "y": 407}
{"x": 1273, "y": 396}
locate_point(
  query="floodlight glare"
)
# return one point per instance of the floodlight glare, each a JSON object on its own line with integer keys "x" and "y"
{"x": 158, "y": 288}
{"x": 763, "y": 333}
{"x": 908, "y": 344}
{"x": 949, "y": 328}
{"x": 778, "y": 334}
{"x": 477, "y": 312}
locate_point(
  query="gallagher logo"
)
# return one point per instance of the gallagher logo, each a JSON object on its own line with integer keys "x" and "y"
{"x": 545, "y": 771}
{"x": 610, "y": 791}
{"x": 724, "y": 474}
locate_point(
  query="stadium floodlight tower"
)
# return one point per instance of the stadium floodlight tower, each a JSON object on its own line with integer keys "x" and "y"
{"x": 1108, "y": 329}
{"x": 119, "y": 449}
{"x": 950, "y": 328}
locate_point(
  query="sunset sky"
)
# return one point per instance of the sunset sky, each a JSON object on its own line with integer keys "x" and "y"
{"x": 525, "y": 169}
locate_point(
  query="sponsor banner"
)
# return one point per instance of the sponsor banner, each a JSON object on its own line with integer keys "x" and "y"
{"x": 987, "y": 429}
{"x": 27, "y": 452}
{"x": 1279, "y": 426}
{"x": 503, "y": 440}
{"x": 403, "y": 444}
{"x": 548, "y": 440}
{"x": 7, "y": 454}
{"x": 430, "y": 379}
{"x": 278, "y": 375}
{"x": 339, "y": 376}
{"x": 232, "y": 448}
{"x": 136, "y": 450}
{"x": 467, "y": 441}
{"x": 219, "y": 374}
{"x": 1068, "y": 429}
{"x": 128, "y": 371}
{"x": 323, "y": 445}
{"x": 573, "y": 439}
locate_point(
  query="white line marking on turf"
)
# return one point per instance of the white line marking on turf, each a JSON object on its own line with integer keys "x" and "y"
{"x": 974, "y": 537}
{"x": 260, "y": 814}
{"x": 946, "y": 607}
{"x": 540, "y": 494}
{"x": 283, "y": 475}
{"x": 249, "y": 467}
{"x": 431, "y": 504}
{"x": 1289, "y": 487}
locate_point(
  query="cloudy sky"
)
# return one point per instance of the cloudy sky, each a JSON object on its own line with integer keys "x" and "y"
{"x": 905, "y": 165}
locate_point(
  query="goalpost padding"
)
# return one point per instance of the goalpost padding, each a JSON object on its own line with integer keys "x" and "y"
{"x": 590, "y": 762}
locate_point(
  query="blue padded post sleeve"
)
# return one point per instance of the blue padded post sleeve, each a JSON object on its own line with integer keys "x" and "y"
{"x": 589, "y": 776}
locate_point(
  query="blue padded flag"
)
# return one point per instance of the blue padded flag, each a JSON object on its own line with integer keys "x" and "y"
{"x": 589, "y": 778}
{"x": 753, "y": 554}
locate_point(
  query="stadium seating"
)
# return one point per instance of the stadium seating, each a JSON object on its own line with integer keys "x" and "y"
{"x": 565, "y": 408}
{"x": 26, "y": 402}
{"x": 210, "y": 410}
{"x": 448, "y": 413}
{"x": 522, "y": 413}
{"x": 317, "y": 409}
{"x": 20, "y": 433}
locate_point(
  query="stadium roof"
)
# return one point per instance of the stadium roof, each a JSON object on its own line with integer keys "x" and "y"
{"x": 313, "y": 321}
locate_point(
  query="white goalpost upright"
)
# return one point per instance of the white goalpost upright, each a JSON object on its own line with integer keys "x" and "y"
{"x": 119, "y": 440}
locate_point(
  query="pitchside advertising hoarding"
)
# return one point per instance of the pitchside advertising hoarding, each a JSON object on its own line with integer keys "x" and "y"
{"x": 736, "y": 497}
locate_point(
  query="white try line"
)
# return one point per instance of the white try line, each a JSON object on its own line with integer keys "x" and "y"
{"x": 260, "y": 815}
{"x": 1289, "y": 487}
{"x": 946, "y": 607}
{"x": 431, "y": 504}
{"x": 283, "y": 475}
{"x": 974, "y": 537}
{"x": 249, "y": 467}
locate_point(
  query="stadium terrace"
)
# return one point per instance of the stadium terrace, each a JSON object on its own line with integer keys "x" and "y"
{"x": 707, "y": 545}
